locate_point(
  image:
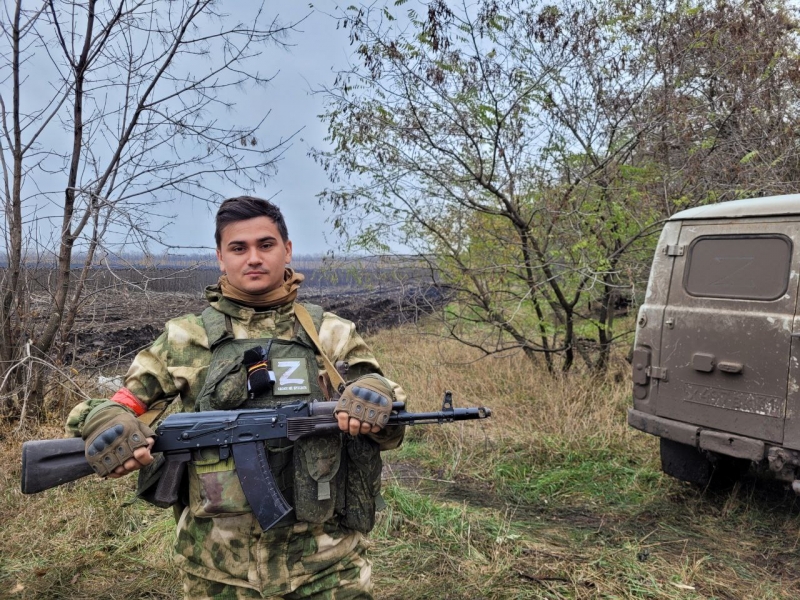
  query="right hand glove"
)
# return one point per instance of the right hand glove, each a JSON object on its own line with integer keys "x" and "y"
{"x": 112, "y": 434}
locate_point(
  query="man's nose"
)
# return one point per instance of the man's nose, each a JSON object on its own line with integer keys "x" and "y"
{"x": 253, "y": 257}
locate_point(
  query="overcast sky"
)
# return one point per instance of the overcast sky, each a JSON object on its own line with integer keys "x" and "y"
{"x": 318, "y": 48}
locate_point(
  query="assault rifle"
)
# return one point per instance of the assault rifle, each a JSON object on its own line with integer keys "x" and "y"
{"x": 50, "y": 463}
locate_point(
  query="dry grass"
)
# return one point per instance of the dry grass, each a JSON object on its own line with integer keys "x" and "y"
{"x": 554, "y": 497}
{"x": 79, "y": 541}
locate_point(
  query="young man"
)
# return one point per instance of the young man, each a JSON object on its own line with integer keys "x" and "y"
{"x": 332, "y": 481}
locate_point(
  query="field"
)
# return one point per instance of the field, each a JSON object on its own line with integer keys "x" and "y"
{"x": 553, "y": 498}
{"x": 117, "y": 320}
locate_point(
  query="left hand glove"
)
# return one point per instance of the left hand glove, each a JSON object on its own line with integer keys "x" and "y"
{"x": 365, "y": 405}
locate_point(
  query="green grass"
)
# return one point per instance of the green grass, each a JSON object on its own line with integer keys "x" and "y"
{"x": 609, "y": 479}
{"x": 554, "y": 498}
{"x": 667, "y": 541}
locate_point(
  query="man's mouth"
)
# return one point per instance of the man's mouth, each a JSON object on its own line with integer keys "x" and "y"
{"x": 255, "y": 273}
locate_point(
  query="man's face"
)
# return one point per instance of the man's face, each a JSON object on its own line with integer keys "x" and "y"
{"x": 253, "y": 255}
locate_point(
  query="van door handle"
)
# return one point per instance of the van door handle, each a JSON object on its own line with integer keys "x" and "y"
{"x": 730, "y": 367}
{"x": 797, "y": 334}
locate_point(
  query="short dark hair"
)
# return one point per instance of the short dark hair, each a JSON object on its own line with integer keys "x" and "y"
{"x": 242, "y": 208}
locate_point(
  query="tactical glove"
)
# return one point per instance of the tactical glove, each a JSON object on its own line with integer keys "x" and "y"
{"x": 368, "y": 399}
{"x": 112, "y": 433}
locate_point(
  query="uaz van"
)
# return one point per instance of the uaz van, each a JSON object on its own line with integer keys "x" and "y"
{"x": 716, "y": 360}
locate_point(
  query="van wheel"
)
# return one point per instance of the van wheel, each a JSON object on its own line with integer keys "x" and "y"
{"x": 727, "y": 470}
{"x": 701, "y": 468}
{"x": 685, "y": 462}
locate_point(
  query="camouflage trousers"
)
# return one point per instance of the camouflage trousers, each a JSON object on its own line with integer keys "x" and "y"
{"x": 195, "y": 588}
{"x": 231, "y": 558}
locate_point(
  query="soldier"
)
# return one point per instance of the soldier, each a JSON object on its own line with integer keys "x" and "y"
{"x": 332, "y": 481}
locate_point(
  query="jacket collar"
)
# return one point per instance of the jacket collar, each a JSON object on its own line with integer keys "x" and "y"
{"x": 246, "y": 314}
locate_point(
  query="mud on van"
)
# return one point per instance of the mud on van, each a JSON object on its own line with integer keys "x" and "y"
{"x": 716, "y": 360}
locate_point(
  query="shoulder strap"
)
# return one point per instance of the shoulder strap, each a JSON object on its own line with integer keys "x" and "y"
{"x": 304, "y": 317}
{"x": 315, "y": 311}
{"x": 217, "y": 326}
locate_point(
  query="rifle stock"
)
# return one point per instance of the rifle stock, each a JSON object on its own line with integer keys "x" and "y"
{"x": 50, "y": 463}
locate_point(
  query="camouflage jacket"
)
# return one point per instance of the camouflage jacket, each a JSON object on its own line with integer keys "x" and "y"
{"x": 177, "y": 362}
{"x": 233, "y": 550}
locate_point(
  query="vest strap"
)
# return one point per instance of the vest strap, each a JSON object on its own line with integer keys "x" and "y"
{"x": 304, "y": 317}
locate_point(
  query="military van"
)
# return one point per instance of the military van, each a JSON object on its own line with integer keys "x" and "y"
{"x": 716, "y": 358}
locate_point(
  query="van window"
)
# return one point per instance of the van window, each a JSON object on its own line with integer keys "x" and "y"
{"x": 752, "y": 267}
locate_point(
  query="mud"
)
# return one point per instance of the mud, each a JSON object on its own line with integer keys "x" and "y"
{"x": 113, "y": 327}
{"x": 373, "y": 310}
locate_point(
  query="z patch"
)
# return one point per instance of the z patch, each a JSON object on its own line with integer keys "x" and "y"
{"x": 291, "y": 377}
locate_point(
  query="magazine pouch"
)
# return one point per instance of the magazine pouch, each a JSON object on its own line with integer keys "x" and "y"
{"x": 362, "y": 483}
{"x": 317, "y": 489}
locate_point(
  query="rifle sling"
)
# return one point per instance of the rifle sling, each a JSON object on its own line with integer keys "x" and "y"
{"x": 304, "y": 317}
{"x": 156, "y": 410}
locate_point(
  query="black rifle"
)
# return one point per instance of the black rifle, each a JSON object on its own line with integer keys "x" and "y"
{"x": 49, "y": 463}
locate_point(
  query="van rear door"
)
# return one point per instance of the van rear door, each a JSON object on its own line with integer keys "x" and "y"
{"x": 728, "y": 324}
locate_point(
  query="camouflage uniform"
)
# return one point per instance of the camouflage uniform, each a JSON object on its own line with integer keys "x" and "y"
{"x": 229, "y": 556}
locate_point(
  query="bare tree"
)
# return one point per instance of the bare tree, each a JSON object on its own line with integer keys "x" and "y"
{"x": 111, "y": 111}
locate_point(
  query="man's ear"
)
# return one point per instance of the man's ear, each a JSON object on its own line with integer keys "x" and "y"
{"x": 219, "y": 261}
{"x": 288, "y": 247}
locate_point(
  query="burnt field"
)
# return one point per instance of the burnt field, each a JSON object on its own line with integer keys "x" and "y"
{"x": 115, "y": 324}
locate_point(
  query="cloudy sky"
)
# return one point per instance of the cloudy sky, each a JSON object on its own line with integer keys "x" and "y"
{"x": 318, "y": 48}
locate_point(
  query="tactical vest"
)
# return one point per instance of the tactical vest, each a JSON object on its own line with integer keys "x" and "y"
{"x": 322, "y": 477}
{"x": 294, "y": 362}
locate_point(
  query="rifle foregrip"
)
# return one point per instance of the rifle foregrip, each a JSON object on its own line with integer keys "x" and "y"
{"x": 50, "y": 463}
